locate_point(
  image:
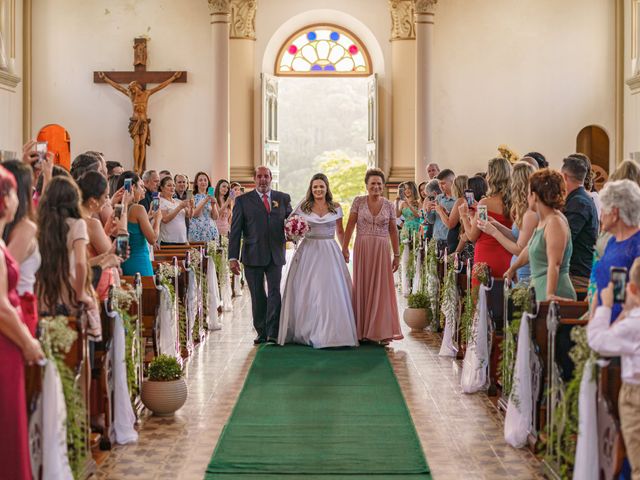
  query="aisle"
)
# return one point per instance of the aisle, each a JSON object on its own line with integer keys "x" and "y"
{"x": 320, "y": 414}
{"x": 461, "y": 435}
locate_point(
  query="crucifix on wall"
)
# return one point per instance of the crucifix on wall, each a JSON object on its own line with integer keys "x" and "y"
{"x": 137, "y": 92}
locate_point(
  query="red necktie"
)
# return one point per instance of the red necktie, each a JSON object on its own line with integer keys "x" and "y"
{"x": 265, "y": 200}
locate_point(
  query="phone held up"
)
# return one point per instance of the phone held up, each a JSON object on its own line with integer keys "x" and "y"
{"x": 127, "y": 185}
{"x": 155, "y": 202}
{"x": 210, "y": 191}
{"x": 122, "y": 246}
{"x": 41, "y": 150}
{"x": 189, "y": 194}
{"x": 468, "y": 195}
{"x": 117, "y": 211}
{"x": 619, "y": 280}
{"x": 482, "y": 213}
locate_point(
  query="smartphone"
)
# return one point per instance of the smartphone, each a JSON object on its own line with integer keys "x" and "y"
{"x": 468, "y": 194}
{"x": 210, "y": 191}
{"x": 189, "y": 194}
{"x": 127, "y": 185}
{"x": 117, "y": 210}
{"x": 122, "y": 246}
{"x": 619, "y": 280}
{"x": 41, "y": 150}
{"x": 155, "y": 202}
{"x": 232, "y": 194}
{"x": 482, "y": 213}
{"x": 432, "y": 198}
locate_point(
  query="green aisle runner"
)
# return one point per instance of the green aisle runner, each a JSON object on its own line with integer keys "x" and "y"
{"x": 306, "y": 413}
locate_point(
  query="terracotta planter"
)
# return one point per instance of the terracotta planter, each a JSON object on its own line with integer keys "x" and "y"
{"x": 416, "y": 318}
{"x": 164, "y": 398}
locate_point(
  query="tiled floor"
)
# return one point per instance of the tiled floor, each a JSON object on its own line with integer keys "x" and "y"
{"x": 461, "y": 434}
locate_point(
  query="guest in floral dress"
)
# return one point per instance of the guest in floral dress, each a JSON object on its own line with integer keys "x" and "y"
{"x": 374, "y": 298}
{"x": 202, "y": 227}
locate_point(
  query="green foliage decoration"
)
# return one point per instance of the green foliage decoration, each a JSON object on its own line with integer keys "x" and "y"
{"x": 418, "y": 300}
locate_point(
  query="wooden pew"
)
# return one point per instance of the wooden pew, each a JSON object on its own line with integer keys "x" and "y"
{"x": 551, "y": 318}
{"x": 611, "y": 449}
{"x": 497, "y": 318}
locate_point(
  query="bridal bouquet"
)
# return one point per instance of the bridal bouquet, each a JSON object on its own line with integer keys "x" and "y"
{"x": 295, "y": 228}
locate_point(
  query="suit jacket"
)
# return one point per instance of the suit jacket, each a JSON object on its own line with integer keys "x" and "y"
{"x": 262, "y": 234}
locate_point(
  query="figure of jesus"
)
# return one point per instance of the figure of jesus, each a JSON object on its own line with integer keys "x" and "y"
{"x": 139, "y": 122}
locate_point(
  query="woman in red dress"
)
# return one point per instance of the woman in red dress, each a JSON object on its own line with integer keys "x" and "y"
{"x": 498, "y": 203}
{"x": 16, "y": 347}
{"x": 20, "y": 235}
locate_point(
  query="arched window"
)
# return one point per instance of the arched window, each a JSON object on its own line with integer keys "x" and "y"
{"x": 323, "y": 50}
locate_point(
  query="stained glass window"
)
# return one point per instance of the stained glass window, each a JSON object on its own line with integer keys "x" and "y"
{"x": 323, "y": 50}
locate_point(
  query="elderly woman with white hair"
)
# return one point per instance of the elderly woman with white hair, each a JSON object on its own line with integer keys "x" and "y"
{"x": 621, "y": 218}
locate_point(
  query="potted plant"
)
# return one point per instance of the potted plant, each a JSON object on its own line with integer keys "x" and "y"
{"x": 165, "y": 391}
{"x": 415, "y": 315}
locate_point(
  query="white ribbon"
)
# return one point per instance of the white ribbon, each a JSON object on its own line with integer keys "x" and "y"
{"x": 448, "y": 348}
{"x": 518, "y": 421}
{"x": 586, "y": 462}
{"x": 191, "y": 307}
{"x": 55, "y": 462}
{"x": 124, "y": 418}
{"x": 475, "y": 367}
{"x": 213, "y": 295}
{"x": 166, "y": 322}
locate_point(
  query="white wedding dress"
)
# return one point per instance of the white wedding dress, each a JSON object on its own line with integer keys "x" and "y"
{"x": 317, "y": 309}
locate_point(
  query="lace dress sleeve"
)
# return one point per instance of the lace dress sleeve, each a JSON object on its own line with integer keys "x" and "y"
{"x": 357, "y": 202}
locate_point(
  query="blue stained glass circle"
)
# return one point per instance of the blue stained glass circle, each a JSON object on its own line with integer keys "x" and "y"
{"x": 316, "y": 68}
{"x": 335, "y": 36}
{"x": 311, "y": 36}
{"x": 329, "y": 68}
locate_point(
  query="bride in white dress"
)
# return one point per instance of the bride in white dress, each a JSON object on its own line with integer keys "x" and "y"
{"x": 317, "y": 309}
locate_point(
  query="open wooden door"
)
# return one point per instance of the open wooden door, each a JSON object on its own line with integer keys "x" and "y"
{"x": 270, "y": 142}
{"x": 372, "y": 124}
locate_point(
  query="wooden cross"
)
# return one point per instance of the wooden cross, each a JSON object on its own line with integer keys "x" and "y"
{"x": 140, "y": 73}
{"x": 139, "y": 95}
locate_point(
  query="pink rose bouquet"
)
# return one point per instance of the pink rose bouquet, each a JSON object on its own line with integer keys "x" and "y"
{"x": 295, "y": 228}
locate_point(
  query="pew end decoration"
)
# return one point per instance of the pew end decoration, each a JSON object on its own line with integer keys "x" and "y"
{"x": 415, "y": 315}
{"x": 165, "y": 391}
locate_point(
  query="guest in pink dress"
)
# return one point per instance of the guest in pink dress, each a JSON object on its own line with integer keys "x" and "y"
{"x": 17, "y": 346}
{"x": 374, "y": 296}
{"x": 224, "y": 200}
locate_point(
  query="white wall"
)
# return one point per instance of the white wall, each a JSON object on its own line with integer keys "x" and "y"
{"x": 528, "y": 73}
{"x": 631, "y": 101}
{"x": 73, "y": 38}
{"x": 11, "y": 98}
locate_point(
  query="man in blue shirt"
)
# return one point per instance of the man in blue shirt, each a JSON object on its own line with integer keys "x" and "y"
{"x": 440, "y": 230}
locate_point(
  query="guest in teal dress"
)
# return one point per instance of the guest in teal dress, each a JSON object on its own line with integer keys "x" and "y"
{"x": 202, "y": 226}
{"x": 143, "y": 227}
{"x": 409, "y": 209}
{"x": 549, "y": 249}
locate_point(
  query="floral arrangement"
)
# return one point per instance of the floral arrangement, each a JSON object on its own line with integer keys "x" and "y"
{"x": 123, "y": 296}
{"x": 295, "y": 228}
{"x": 164, "y": 368}
{"x": 166, "y": 272}
{"x": 508, "y": 154}
{"x": 195, "y": 257}
{"x": 56, "y": 339}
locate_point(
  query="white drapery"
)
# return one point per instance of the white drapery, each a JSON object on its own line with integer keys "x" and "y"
{"x": 213, "y": 295}
{"x": 166, "y": 321}
{"x": 475, "y": 367}
{"x": 519, "y": 417}
{"x": 191, "y": 306}
{"x": 55, "y": 462}
{"x": 586, "y": 465}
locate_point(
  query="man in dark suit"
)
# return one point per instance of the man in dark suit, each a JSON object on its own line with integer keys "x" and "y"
{"x": 258, "y": 220}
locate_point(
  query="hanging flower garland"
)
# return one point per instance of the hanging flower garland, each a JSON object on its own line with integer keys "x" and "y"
{"x": 479, "y": 275}
{"x": 449, "y": 296}
{"x": 166, "y": 274}
{"x": 431, "y": 282}
{"x": 122, "y": 298}
{"x": 561, "y": 442}
{"x": 57, "y": 339}
{"x": 220, "y": 252}
{"x": 520, "y": 297}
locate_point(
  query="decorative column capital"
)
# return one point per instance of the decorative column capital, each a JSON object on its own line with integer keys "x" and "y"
{"x": 220, "y": 7}
{"x": 424, "y": 7}
{"x": 402, "y": 19}
{"x": 243, "y": 19}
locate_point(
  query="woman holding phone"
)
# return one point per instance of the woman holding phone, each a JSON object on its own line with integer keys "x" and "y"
{"x": 144, "y": 228}
{"x": 202, "y": 226}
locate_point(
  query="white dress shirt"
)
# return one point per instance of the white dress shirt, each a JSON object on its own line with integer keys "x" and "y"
{"x": 622, "y": 338}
